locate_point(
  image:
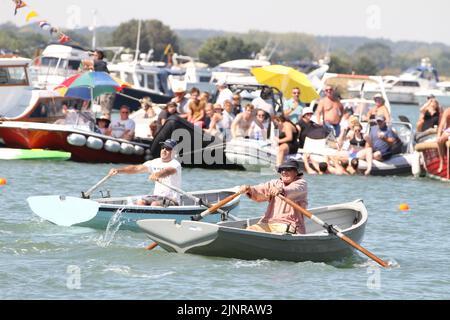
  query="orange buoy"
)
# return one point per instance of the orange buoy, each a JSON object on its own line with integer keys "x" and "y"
{"x": 3, "y": 181}
{"x": 403, "y": 207}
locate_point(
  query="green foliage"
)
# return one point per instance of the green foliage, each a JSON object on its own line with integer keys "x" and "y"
{"x": 221, "y": 49}
{"x": 340, "y": 64}
{"x": 365, "y": 65}
{"x": 376, "y": 52}
{"x": 154, "y": 35}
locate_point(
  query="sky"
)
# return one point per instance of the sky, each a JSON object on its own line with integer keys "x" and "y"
{"x": 391, "y": 19}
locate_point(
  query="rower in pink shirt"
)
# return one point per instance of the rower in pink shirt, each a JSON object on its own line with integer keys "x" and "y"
{"x": 281, "y": 217}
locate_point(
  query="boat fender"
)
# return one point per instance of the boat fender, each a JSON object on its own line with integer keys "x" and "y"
{"x": 76, "y": 139}
{"x": 415, "y": 164}
{"x": 139, "y": 150}
{"x": 126, "y": 148}
{"x": 94, "y": 143}
{"x": 112, "y": 146}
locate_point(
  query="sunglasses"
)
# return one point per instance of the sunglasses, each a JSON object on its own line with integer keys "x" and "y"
{"x": 329, "y": 90}
{"x": 166, "y": 148}
{"x": 124, "y": 112}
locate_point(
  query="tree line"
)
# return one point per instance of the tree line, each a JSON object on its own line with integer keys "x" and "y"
{"x": 348, "y": 54}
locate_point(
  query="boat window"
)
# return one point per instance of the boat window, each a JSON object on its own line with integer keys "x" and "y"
{"x": 129, "y": 78}
{"x": 205, "y": 79}
{"x": 407, "y": 84}
{"x": 55, "y": 108}
{"x": 74, "y": 64}
{"x": 141, "y": 79}
{"x": 151, "y": 81}
{"x": 49, "y": 61}
{"x": 13, "y": 76}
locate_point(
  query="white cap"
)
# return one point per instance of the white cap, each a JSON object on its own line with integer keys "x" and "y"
{"x": 307, "y": 110}
{"x": 221, "y": 82}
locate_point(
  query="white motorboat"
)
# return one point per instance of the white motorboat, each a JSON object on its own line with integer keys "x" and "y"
{"x": 57, "y": 63}
{"x": 403, "y": 89}
{"x": 441, "y": 93}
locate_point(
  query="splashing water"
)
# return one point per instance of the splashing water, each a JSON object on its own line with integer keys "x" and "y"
{"x": 113, "y": 226}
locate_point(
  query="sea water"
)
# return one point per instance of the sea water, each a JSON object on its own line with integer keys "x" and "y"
{"x": 44, "y": 261}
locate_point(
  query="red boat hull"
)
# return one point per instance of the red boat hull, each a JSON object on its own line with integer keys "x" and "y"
{"x": 31, "y": 138}
{"x": 431, "y": 158}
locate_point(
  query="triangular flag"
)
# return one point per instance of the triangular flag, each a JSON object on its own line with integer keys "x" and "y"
{"x": 31, "y": 15}
{"x": 19, "y": 4}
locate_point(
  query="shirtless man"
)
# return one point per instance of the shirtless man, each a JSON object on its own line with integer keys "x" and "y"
{"x": 241, "y": 124}
{"x": 443, "y": 135}
{"x": 331, "y": 110}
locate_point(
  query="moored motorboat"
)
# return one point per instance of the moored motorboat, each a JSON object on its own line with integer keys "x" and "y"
{"x": 232, "y": 240}
{"x": 96, "y": 213}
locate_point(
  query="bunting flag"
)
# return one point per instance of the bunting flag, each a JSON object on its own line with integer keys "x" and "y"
{"x": 63, "y": 38}
{"x": 19, "y": 4}
{"x": 32, "y": 14}
{"x": 44, "y": 25}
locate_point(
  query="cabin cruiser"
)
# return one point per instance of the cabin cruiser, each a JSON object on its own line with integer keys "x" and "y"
{"x": 57, "y": 63}
{"x": 403, "y": 89}
{"x": 237, "y": 71}
{"x": 188, "y": 73}
{"x": 260, "y": 154}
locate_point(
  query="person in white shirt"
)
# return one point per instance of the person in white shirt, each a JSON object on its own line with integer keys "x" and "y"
{"x": 224, "y": 93}
{"x": 257, "y": 130}
{"x": 166, "y": 169}
{"x": 123, "y": 128}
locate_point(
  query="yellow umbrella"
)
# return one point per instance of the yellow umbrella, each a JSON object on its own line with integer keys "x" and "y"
{"x": 285, "y": 79}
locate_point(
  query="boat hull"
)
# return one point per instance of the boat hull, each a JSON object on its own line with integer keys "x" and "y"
{"x": 25, "y": 135}
{"x": 130, "y": 214}
{"x": 431, "y": 160}
{"x": 231, "y": 240}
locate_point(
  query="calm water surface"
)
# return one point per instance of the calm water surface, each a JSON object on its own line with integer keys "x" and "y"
{"x": 37, "y": 258}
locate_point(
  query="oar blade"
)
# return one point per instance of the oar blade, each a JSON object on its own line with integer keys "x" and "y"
{"x": 62, "y": 210}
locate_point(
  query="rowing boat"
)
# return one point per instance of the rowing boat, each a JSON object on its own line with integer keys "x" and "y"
{"x": 97, "y": 213}
{"x": 232, "y": 240}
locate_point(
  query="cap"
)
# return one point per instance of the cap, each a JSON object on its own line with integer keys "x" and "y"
{"x": 307, "y": 110}
{"x": 169, "y": 143}
{"x": 380, "y": 117}
{"x": 104, "y": 117}
{"x": 221, "y": 82}
{"x": 378, "y": 96}
{"x": 179, "y": 90}
{"x": 289, "y": 164}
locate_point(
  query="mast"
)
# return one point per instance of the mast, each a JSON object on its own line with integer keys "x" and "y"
{"x": 94, "y": 29}
{"x": 138, "y": 42}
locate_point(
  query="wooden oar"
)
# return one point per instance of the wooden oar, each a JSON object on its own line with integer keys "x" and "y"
{"x": 332, "y": 229}
{"x": 192, "y": 197}
{"x": 215, "y": 207}
{"x": 87, "y": 194}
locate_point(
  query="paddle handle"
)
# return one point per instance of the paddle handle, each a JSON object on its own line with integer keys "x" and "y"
{"x": 88, "y": 193}
{"x": 190, "y": 196}
{"x": 215, "y": 207}
{"x": 332, "y": 229}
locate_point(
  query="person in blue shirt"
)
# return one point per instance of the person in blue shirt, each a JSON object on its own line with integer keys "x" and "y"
{"x": 293, "y": 107}
{"x": 382, "y": 139}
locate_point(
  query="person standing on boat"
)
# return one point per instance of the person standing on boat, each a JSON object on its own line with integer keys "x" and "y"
{"x": 181, "y": 101}
{"x": 281, "y": 217}
{"x": 293, "y": 107}
{"x": 166, "y": 169}
{"x": 430, "y": 115}
{"x": 330, "y": 111}
{"x": 99, "y": 63}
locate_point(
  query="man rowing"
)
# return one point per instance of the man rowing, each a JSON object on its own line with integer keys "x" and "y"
{"x": 166, "y": 169}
